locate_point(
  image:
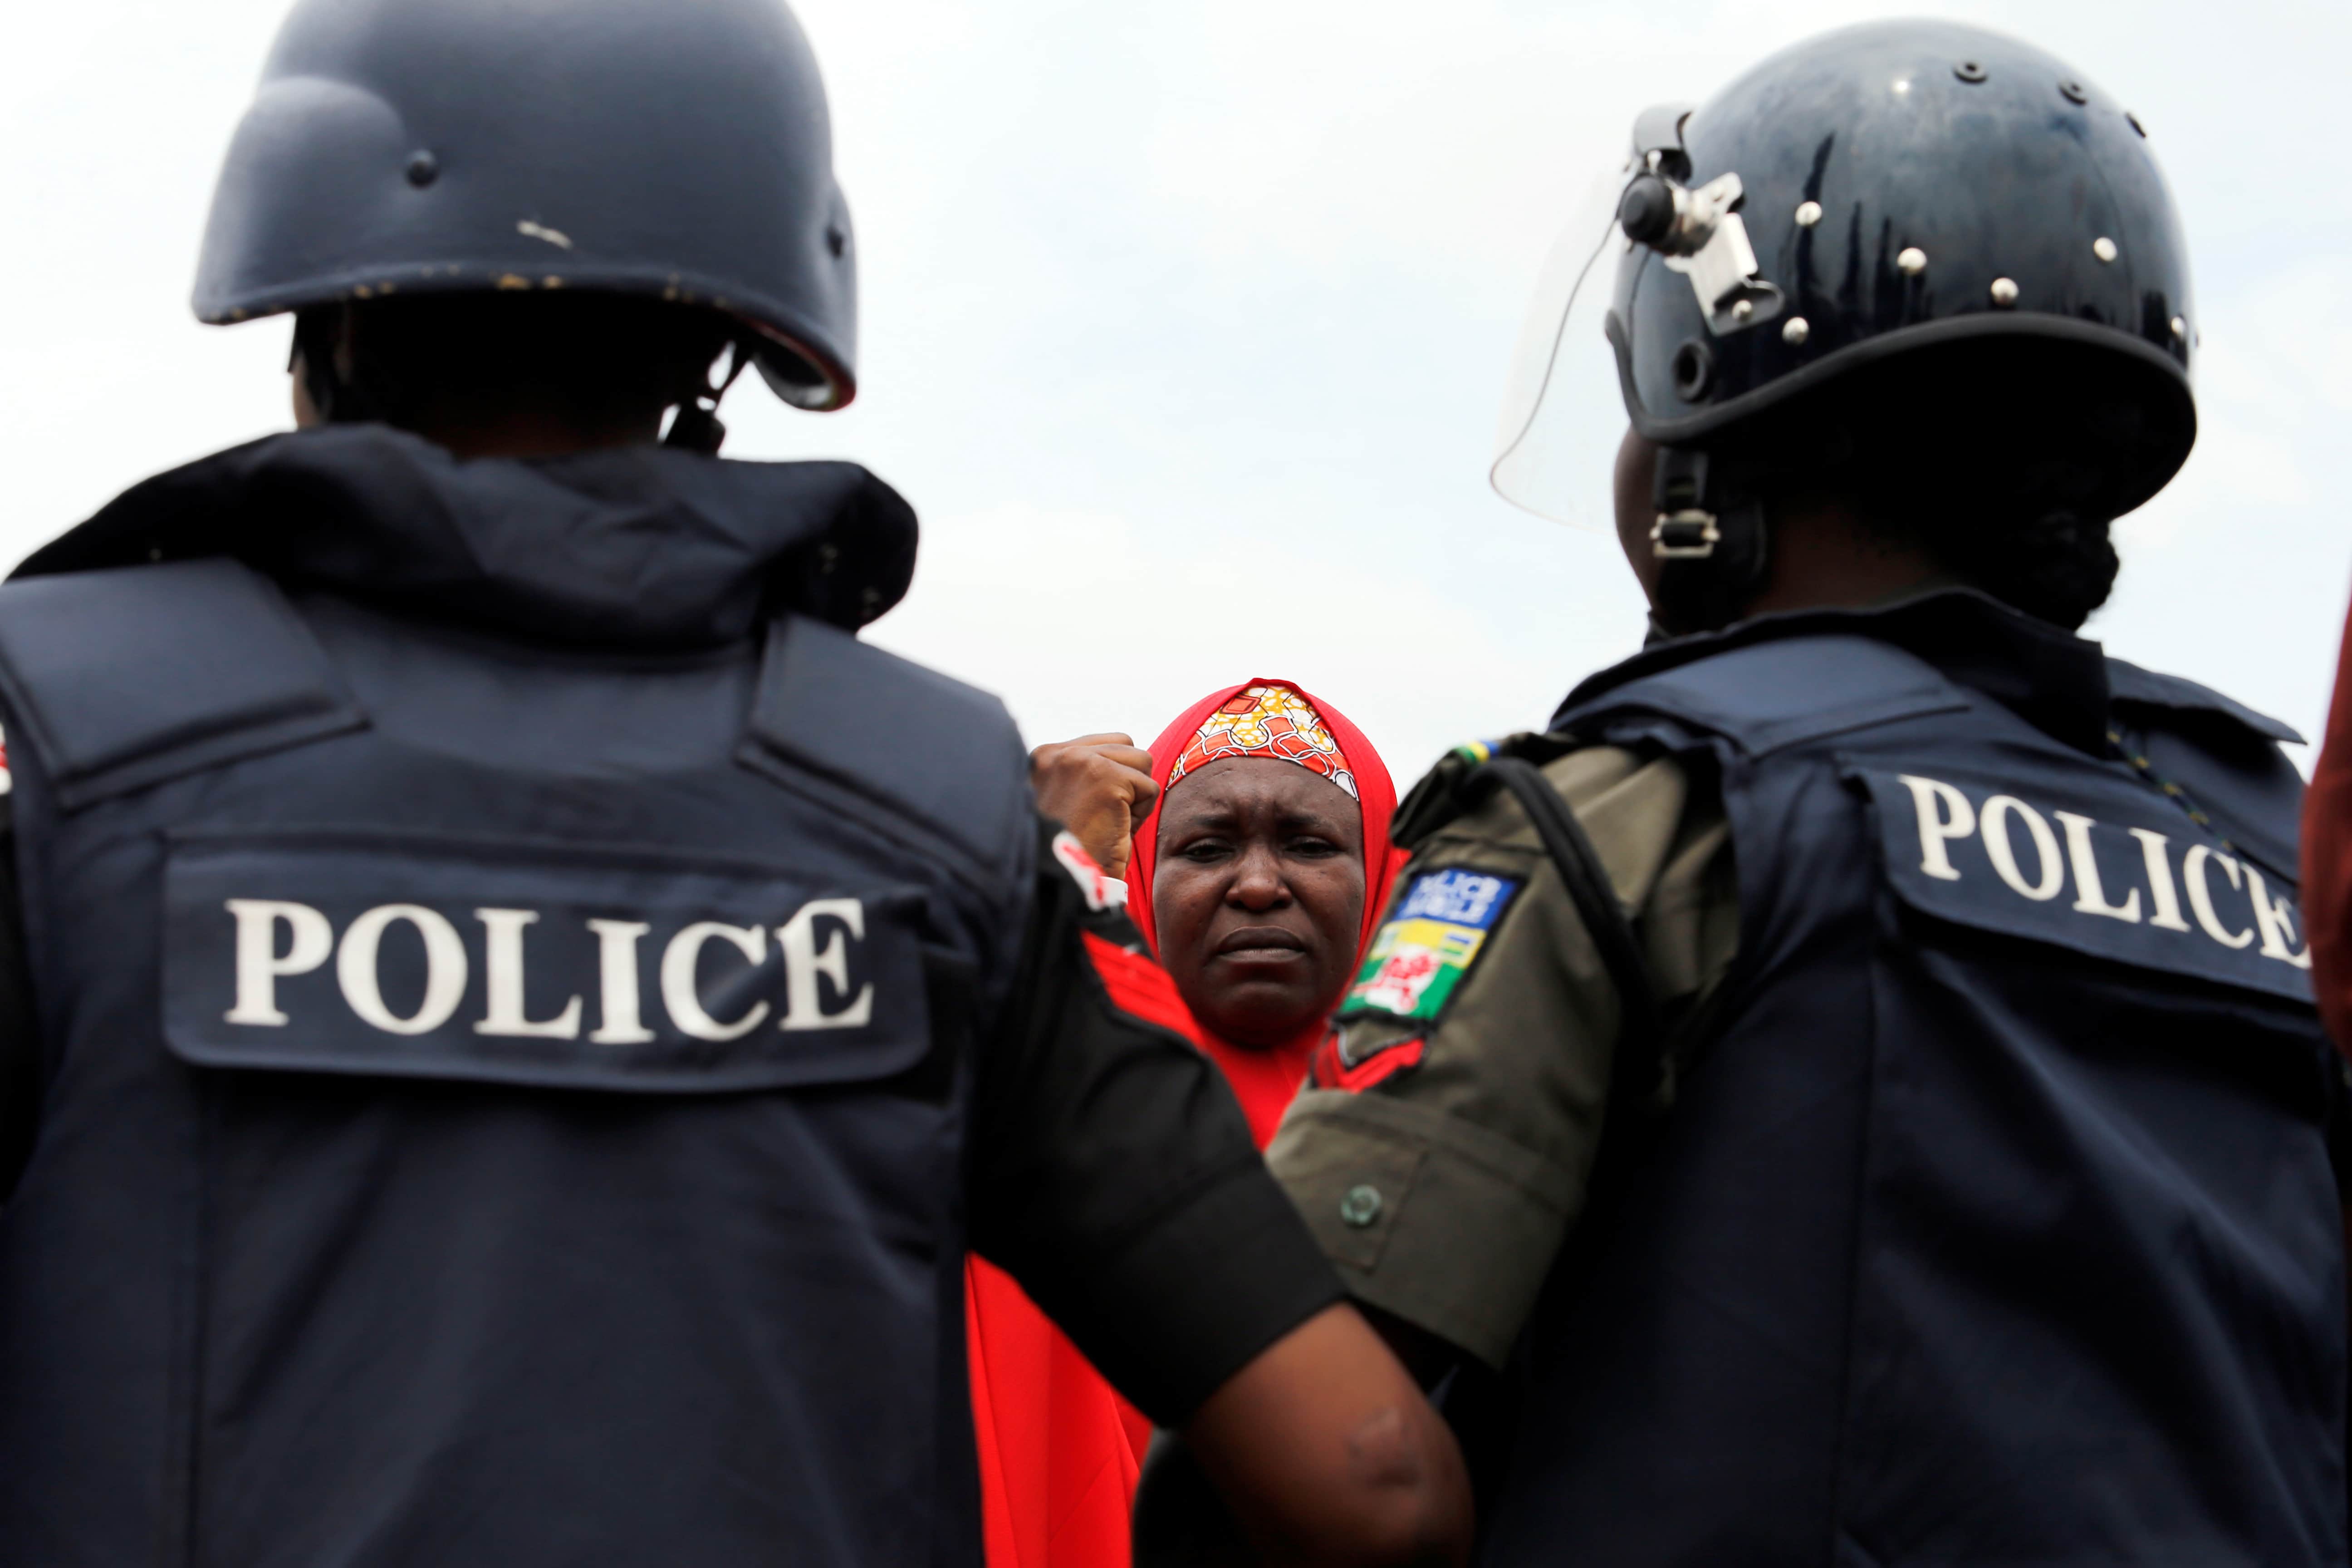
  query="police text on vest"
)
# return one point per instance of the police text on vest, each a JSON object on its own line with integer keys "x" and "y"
{"x": 278, "y": 939}
{"x": 2202, "y": 893}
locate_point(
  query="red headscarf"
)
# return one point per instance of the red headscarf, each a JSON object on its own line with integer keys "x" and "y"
{"x": 1060, "y": 1450}
{"x": 1267, "y": 1080}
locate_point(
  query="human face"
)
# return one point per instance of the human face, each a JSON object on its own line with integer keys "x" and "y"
{"x": 1259, "y": 896}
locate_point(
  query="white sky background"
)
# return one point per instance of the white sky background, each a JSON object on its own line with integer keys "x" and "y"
{"x": 1185, "y": 323}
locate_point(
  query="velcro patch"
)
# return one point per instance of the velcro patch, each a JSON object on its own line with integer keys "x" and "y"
{"x": 1422, "y": 953}
{"x": 2103, "y": 873}
{"x": 528, "y": 964}
{"x": 1335, "y": 1066}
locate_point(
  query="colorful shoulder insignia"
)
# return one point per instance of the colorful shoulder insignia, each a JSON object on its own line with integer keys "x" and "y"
{"x": 1429, "y": 942}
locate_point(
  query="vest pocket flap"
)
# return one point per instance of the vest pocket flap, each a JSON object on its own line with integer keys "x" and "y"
{"x": 2104, "y": 872}
{"x": 534, "y": 964}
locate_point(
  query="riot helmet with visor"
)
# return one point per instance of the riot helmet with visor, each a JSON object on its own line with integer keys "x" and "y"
{"x": 1927, "y": 258}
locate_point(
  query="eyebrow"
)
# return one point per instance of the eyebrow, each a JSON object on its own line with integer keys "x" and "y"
{"x": 1224, "y": 818}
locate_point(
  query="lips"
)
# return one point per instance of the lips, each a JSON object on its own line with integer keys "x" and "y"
{"x": 1262, "y": 944}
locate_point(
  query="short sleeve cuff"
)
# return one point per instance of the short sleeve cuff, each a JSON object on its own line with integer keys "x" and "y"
{"x": 1196, "y": 1297}
{"x": 1444, "y": 1223}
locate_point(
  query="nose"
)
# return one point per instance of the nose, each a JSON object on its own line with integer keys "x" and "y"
{"x": 1258, "y": 884}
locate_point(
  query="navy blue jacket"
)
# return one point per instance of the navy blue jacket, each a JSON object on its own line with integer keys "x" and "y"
{"x": 1995, "y": 1222}
{"x": 523, "y": 996}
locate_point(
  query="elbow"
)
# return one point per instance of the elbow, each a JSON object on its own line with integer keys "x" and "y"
{"x": 1404, "y": 1502}
{"x": 1400, "y": 1499}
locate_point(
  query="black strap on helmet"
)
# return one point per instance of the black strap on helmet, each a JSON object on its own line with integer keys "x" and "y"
{"x": 698, "y": 427}
{"x": 1710, "y": 538}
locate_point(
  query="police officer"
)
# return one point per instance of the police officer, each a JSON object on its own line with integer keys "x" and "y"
{"x": 512, "y": 1012}
{"x": 1848, "y": 1092}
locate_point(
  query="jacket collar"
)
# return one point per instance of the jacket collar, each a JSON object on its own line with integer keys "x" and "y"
{"x": 2055, "y": 680}
{"x": 638, "y": 547}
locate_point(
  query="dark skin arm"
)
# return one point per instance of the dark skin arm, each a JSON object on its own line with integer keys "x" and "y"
{"x": 1328, "y": 1455}
{"x": 1097, "y": 786}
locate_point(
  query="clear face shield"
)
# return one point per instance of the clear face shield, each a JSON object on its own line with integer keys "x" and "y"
{"x": 1564, "y": 411}
{"x": 1563, "y": 414}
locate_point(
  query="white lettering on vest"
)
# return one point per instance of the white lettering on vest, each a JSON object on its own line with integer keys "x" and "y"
{"x": 805, "y": 963}
{"x": 2153, "y": 849}
{"x": 309, "y": 942}
{"x": 1944, "y": 814}
{"x": 2090, "y": 897}
{"x": 2050, "y": 870}
{"x": 2200, "y": 894}
{"x": 2276, "y": 919}
{"x": 681, "y": 997}
{"x": 616, "y": 973}
{"x": 1947, "y": 816}
{"x": 504, "y": 1003}
{"x": 444, "y": 969}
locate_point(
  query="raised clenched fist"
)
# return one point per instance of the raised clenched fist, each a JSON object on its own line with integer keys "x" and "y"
{"x": 1097, "y": 786}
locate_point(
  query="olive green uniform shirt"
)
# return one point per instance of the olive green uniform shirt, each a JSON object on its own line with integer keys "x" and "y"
{"x": 1444, "y": 1191}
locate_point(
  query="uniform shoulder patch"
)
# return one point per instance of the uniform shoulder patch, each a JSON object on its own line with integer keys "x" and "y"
{"x": 1431, "y": 938}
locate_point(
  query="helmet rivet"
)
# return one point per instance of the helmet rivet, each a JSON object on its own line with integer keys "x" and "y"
{"x": 1969, "y": 70}
{"x": 834, "y": 240}
{"x": 1807, "y": 214}
{"x": 1912, "y": 261}
{"x": 1742, "y": 309}
{"x": 423, "y": 168}
{"x": 2073, "y": 92}
{"x": 2180, "y": 328}
{"x": 2004, "y": 292}
{"x": 2104, "y": 248}
{"x": 1795, "y": 331}
{"x": 1694, "y": 370}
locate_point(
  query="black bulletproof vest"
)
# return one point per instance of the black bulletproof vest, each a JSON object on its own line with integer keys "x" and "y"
{"x": 1994, "y": 1223}
{"x": 504, "y": 1103}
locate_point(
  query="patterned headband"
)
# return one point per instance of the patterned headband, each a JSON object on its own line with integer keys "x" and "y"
{"x": 1269, "y": 721}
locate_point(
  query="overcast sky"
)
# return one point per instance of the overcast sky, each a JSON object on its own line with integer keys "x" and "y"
{"x": 1185, "y": 324}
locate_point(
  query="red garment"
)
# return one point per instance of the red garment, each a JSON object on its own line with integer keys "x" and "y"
{"x": 2327, "y": 861}
{"x": 1265, "y": 1080}
{"x": 1059, "y": 1450}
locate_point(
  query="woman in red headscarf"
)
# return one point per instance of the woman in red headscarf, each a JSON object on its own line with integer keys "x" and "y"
{"x": 1255, "y": 840}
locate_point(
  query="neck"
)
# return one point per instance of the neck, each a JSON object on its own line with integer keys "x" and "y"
{"x": 1827, "y": 556}
{"x": 532, "y": 432}
{"x": 504, "y": 427}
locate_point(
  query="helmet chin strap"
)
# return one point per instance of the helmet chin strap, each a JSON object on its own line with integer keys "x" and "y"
{"x": 698, "y": 427}
{"x": 1710, "y": 539}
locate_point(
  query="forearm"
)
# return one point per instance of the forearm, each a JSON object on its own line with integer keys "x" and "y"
{"x": 1326, "y": 1454}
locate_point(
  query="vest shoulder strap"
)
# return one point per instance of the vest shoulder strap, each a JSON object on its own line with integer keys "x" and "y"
{"x": 118, "y": 679}
{"x": 1767, "y": 696}
{"x": 2219, "y": 757}
{"x": 2133, "y": 686}
{"x": 946, "y": 753}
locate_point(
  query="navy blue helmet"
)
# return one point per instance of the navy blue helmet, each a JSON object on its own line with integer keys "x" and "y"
{"x": 1892, "y": 187}
{"x": 1868, "y": 200}
{"x": 675, "y": 150}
